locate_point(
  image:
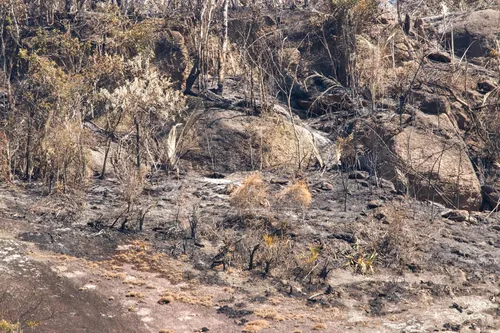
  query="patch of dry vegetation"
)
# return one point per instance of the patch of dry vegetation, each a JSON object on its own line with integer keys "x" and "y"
{"x": 143, "y": 258}
{"x": 319, "y": 327}
{"x": 192, "y": 297}
{"x": 255, "y": 326}
{"x": 134, "y": 294}
{"x": 268, "y": 313}
{"x": 8, "y": 327}
{"x": 135, "y": 282}
{"x": 296, "y": 194}
{"x": 252, "y": 195}
{"x": 394, "y": 245}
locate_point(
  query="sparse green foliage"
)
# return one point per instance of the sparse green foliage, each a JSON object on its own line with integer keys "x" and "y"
{"x": 362, "y": 263}
{"x": 273, "y": 251}
{"x": 8, "y": 327}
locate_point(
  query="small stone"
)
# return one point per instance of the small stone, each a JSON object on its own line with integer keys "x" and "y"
{"x": 363, "y": 183}
{"x": 375, "y": 204}
{"x": 279, "y": 181}
{"x": 439, "y": 57}
{"x": 434, "y": 104}
{"x": 111, "y": 298}
{"x": 459, "y": 216}
{"x": 382, "y": 183}
{"x": 380, "y": 215}
{"x": 123, "y": 247}
{"x": 327, "y": 186}
{"x": 230, "y": 188}
{"x": 485, "y": 86}
{"x": 359, "y": 175}
{"x": 205, "y": 329}
{"x": 457, "y": 307}
{"x": 165, "y": 300}
{"x": 453, "y": 327}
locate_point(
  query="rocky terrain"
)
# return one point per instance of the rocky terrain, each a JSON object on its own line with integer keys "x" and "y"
{"x": 63, "y": 269}
{"x": 345, "y": 179}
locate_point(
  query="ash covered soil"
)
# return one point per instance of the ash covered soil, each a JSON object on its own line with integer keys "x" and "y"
{"x": 63, "y": 267}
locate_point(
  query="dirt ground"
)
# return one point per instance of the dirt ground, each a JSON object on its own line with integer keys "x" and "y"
{"x": 63, "y": 267}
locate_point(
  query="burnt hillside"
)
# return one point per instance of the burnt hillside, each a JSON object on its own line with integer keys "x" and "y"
{"x": 249, "y": 166}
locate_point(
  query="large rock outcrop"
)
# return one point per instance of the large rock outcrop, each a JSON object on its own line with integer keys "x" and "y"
{"x": 424, "y": 156}
{"x": 474, "y": 33}
{"x": 230, "y": 141}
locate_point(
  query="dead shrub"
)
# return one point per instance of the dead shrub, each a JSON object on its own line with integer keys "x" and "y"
{"x": 385, "y": 65}
{"x": 392, "y": 245}
{"x": 132, "y": 180}
{"x": 297, "y": 193}
{"x": 372, "y": 65}
{"x": 63, "y": 155}
{"x": 251, "y": 195}
{"x": 134, "y": 294}
{"x": 4, "y": 158}
{"x": 397, "y": 247}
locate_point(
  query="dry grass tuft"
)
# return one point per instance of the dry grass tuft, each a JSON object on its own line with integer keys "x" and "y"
{"x": 319, "y": 327}
{"x": 374, "y": 66}
{"x": 192, "y": 298}
{"x": 134, "y": 294}
{"x": 274, "y": 301}
{"x": 297, "y": 193}
{"x": 166, "y": 300}
{"x": 251, "y": 195}
{"x": 255, "y": 326}
{"x": 267, "y": 313}
{"x": 112, "y": 275}
{"x": 135, "y": 282}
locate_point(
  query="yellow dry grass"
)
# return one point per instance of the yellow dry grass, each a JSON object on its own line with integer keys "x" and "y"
{"x": 134, "y": 294}
{"x": 251, "y": 195}
{"x": 135, "y": 282}
{"x": 268, "y": 313}
{"x": 255, "y": 326}
{"x": 142, "y": 257}
{"x": 297, "y": 193}
{"x": 319, "y": 327}
{"x": 193, "y": 298}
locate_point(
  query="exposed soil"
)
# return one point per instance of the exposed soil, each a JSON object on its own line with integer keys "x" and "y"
{"x": 71, "y": 270}
{"x": 363, "y": 257}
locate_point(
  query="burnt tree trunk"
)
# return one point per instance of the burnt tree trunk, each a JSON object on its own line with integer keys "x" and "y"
{"x": 223, "y": 50}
